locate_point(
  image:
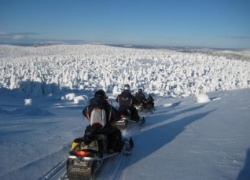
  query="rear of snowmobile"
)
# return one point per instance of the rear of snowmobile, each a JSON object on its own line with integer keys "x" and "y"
{"x": 125, "y": 120}
{"x": 85, "y": 157}
{"x": 125, "y": 116}
{"x": 147, "y": 108}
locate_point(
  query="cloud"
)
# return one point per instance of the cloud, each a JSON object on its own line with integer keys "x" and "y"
{"x": 2, "y": 33}
{"x": 246, "y": 37}
{"x": 16, "y": 36}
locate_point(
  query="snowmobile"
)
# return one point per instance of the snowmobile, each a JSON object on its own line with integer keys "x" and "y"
{"x": 150, "y": 104}
{"x": 126, "y": 118}
{"x": 147, "y": 107}
{"x": 88, "y": 153}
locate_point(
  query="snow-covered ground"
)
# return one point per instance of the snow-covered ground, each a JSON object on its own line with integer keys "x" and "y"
{"x": 199, "y": 130}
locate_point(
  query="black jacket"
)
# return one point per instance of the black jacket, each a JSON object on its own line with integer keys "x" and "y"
{"x": 140, "y": 97}
{"x": 126, "y": 99}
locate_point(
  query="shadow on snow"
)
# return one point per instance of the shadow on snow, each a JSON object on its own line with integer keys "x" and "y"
{"x": 164, "y": 133}
{"x": 245, "y": 172}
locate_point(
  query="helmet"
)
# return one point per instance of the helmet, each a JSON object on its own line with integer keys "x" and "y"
{"x": 140, "y": 90}
{"x": 100, "y": 93}
{"x": 126, "y": 87}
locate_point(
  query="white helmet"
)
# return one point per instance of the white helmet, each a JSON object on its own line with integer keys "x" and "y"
{"x": 126, "y": 87}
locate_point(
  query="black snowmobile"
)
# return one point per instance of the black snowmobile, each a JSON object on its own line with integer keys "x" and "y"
{"x": 88, "y": 153}
{"x": 126, "y": 118}
{"x": 148, "y": 105}
{"x": 144, "y": 108}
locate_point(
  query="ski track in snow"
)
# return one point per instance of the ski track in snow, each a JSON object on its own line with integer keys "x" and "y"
{"x": 53, "y": 173}
{"x": 56, "y": 172}
{"x": 113, "y": 168}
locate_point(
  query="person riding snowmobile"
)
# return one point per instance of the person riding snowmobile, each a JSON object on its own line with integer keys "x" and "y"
{"x": 150, "y": 101}
{"x": 127, "y": 101}
{"x": 140, "y": 97}
{"x": 114, "y": 134}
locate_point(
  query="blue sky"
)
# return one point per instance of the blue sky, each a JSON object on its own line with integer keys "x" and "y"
{"x": 199, "y": 23}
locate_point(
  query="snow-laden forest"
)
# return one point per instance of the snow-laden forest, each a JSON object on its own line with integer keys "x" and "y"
{"x": 47, "y": 69}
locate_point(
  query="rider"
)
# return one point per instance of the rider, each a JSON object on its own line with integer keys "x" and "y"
{"x": 150, "y": 101}
{"x": 114, "y": 134}
{"x": 127, "y": 101}
{"x": 140, "y": 97}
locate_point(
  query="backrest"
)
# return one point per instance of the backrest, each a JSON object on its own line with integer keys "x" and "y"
{"x": 98, "y": 117}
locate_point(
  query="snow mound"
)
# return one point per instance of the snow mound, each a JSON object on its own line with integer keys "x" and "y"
{"x": 70, "y": 96}
{"x": 27, "y": 102}
{"x": 202, "y": 98}
{"x": 78, "y": 99}
{"x": 167, "y": 105}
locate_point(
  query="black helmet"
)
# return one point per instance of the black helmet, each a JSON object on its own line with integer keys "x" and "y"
{"x": 100, "y": 93}
{"x": 127, "y": 87}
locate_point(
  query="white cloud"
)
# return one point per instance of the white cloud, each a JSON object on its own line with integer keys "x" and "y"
{"x": 2, "y": 33}
{"x": 17, "y": 37}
